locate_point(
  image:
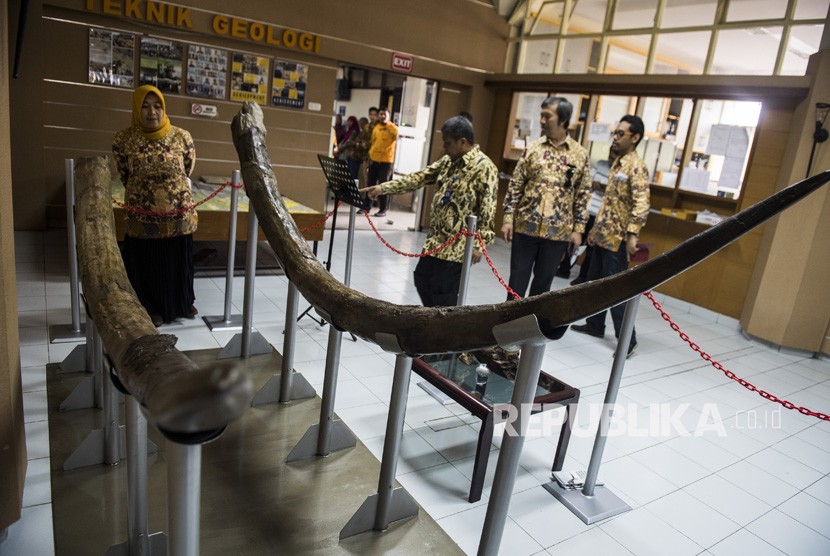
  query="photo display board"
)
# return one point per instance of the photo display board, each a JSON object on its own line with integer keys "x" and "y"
{"x": 207, "y": 71}
{"x": 288, "y": 86}
{"x": 249, "y": 78}
{"x": 111, "y": 56}
{"x": 161, "y": 64}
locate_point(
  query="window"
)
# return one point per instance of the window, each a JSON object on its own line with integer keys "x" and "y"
{"x": 666, "y": 122}
{"x": 749, "y": 51}
{"x": 610, "y": 109}
{"x": 679, "y": 53}
{"x": 803, "y": 43}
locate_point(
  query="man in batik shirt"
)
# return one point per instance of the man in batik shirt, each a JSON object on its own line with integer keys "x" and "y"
{"x": 546, "y": 202}
{"x": 466, "y": 182}
{"x": 623, "y": 213}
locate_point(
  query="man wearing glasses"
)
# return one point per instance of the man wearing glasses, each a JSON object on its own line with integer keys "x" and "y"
{"x": 623, "y": 213}
{"x": 466, "y": 183}
{"x": 546, "y": 202}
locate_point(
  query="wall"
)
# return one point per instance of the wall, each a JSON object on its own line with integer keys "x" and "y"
{"x": 56, "y": 114}
{"x": 12, "y": 438}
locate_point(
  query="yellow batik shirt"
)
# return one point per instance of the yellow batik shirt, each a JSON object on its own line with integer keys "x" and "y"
{"x": 549, "y": 193}
{"x": 466, "y": 186}
{"x": 155, "y": 177}
{"x": 625, "y": 205}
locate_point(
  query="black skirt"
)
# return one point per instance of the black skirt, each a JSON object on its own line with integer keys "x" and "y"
{"x": 161, "y": 273}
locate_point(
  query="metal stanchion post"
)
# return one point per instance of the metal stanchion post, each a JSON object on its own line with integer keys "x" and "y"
{"x": 329, "y": 435}
{"x": 227, "y": 321}
{"x": 184, "y": 475}
{"x": 595, "y": 503}
{"x": 248, "y": 343}
{"x": 389, "y": 504}
{"x": 525, "y": 332}
{"x": 88, "y": 392}
{"x": 73, "y": 332}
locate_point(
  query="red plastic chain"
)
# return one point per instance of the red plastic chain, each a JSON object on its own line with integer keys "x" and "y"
{"x": 493, "y": 267}
{"x": 729, "y": 374}
{"x": 182, "y": 210}
{"x": 323, "y": 219}
{"x": 441, "y": 247}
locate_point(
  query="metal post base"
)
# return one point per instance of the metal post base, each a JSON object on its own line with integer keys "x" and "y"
{"x": 590, "y": 509}
{"x": 218, "y": 322}
{"x": 63, "y": 333}
{"x": 340, "y": 438}
{"x": 75, "y": 361}
{"x": 156, "y": 544}
{"x": 270, "y": 391}
{"x": 401, "y": 507}
{"x": 81, "y": 397}
{"x": 259, "y": 345}
{"x": 92, "y": 451}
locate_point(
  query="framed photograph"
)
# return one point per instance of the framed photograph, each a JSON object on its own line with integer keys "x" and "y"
{"x": 249, "y": 78}
{"x": 288, "y": 84}
{"x": 207, "y": 71}
{"x": 111, "y": 58}
{"x": 161, "y": 64}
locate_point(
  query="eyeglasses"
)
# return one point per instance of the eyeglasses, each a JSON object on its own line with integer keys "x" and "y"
{"x": 619, "y": 134}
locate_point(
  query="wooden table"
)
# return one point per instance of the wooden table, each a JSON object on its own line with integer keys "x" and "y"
{"x": 214, "y": 214}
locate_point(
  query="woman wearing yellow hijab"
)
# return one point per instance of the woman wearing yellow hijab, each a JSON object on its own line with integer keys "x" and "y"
{"x": 154, "y": 160}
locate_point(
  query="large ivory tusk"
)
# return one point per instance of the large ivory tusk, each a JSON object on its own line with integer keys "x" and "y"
{"x": 176, "y": 394}
{"x": 421, "y": 330}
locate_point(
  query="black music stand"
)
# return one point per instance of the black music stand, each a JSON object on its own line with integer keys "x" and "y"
{"x": 342, "y": 184}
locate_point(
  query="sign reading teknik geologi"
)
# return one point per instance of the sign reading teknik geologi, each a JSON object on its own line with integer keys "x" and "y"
{"x": 288, "y": 86}
{"x": 181, "y": 17}
{"x": 111, "y": 57}
{"x": 249, "y": 78}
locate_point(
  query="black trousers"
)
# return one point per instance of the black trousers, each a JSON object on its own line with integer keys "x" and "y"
{"x": 380, "y": 172}
{"x": 606, "y": 263}
{"x": 536, "y": 255}
{"x": 437, "y": 281}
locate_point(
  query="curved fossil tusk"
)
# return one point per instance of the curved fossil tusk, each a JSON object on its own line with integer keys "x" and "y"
{"x": 177, "y": 395}
{"x": 421, "y": 330}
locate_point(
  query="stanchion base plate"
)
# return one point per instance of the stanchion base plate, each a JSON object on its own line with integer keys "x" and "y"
{"x": 258, "y": 346}
{"x": 590, "y": 509}
{"x": 157, "y": 544}
{"x": 81, "y": 397}
{"x": 92, "y": 450}
{"x": 340, "y": 438}
{"x": 401, "y": 507}
{"x": 218, "y": 322}
{"x": 63, "y": 334}
{"x": 270, "y": 391}
{"x": 75, "y": 361}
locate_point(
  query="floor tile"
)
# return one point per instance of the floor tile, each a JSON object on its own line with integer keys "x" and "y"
{"x": 32, "y": 534}
{"x": 693, "y": 518}
{"x": 645, "y": 534}
{"x": 728, "y": 499}
{"x": 38, "y": 486}
{"x": 441, "y": 490}
{"x": 785, "y": 468}
{"x": 789, "y": 535}
{"x": 415, "y": 453}
{"x": 544, "y": 518}
{"x": 744, "y": 542}
{"x": 671, "y": 465}
{"x": 590, "y": 543}
{"x": 465, "y": 529}
{"x": 809, "y": 511}
{"x": 758, "y": 483}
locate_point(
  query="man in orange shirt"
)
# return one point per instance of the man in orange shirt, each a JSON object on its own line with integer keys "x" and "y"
{"x": 382, "y": 155}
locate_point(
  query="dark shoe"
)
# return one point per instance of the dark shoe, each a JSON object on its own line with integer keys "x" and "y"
{"x": 576, "y": 281}
{"x": 563, "y": 274}
{"x": 631, "y": 348}
{"x": 192, "y": 312}
{"x": 379, "y": 214}
{"x": 157, "y": 320}
{"x": 586, "y": 329}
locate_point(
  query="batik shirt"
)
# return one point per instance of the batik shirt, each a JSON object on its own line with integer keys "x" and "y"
{"x": 466, "y": 186}
{"x": 625, "y": 205}
{"x": 155, "y": 177}
{"x": 549, "y": 193}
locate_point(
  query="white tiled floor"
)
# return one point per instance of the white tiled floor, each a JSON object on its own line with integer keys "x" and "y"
{"x": 756, "y": 481}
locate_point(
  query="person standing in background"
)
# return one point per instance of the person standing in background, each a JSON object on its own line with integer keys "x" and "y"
{"x": 382, "y": 155}
{"x": 154, "y": 160}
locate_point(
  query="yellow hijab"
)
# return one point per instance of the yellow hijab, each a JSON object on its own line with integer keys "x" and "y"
{"x": 138, "y": 99}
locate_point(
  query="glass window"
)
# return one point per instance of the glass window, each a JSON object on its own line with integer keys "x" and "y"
{"x": 549, "y": 18}
{"x": 588, "y": 16}
{"x": 538, "y": 56}
{"x": 682, "y": 13}
{"x": 610, "y": 109}
{"x": 746, "y": 10}
{"x": 666, "y": 122}
{"x": 803, "y": 43}
{"x": 580, "y": 113}
{"x": 525, "y": 119}
{"x": 635, "y": 15}
{"x": 750, "y": 51}
{"x": 679, "y": 53}
{"x": 627, "y": 54}
{"x": 811, "y": 9}
{"x": 580, "y": 56}
{"x": 721, "y": 147}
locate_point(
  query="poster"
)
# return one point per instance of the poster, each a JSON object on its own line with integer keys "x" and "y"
{"x": 207, "y": 70}
{"x": 161, "y": 64}
{"x": 249, "y": 78}
{"x": 288, "y": 87}
{"x": 111, "y": 57}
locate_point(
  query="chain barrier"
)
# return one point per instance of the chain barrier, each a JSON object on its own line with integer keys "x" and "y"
{"x": 322, "y": 220}
{"x": 729, "y": 374}
{"x": 186, "y": 208}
